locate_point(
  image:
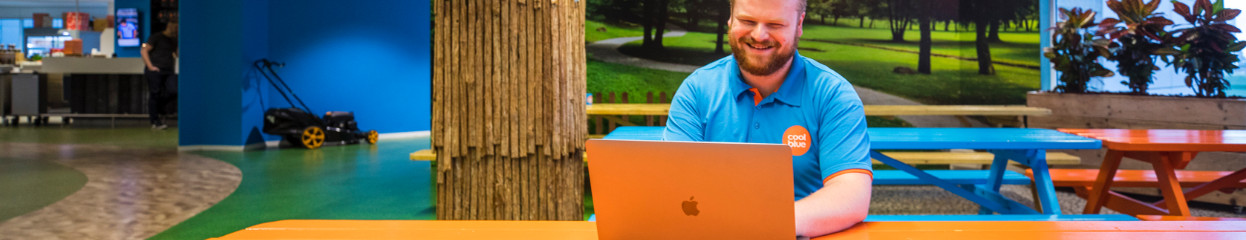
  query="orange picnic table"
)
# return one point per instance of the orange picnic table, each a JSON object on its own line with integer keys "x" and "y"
{"x": 427, "y": 229}
{"x": 1166, "y": 150}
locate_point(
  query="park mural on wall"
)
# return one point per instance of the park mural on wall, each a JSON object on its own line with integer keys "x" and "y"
{"x": 929, "y": 51}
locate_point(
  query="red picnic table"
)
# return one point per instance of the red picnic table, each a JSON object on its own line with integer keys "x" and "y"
{"x": 1166, "y": 150}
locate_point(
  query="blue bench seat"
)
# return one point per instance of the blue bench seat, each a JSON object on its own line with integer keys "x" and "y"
{"x": 973, "y": 177}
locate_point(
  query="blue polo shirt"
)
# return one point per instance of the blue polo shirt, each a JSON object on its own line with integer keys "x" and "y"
{"x": 815, "y": 111}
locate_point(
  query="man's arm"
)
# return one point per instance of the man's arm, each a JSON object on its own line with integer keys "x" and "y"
{"x": 146, "y": 58}
{"x": 684, "y": 121}
{"x": 843, "y": 156}
{"x": 835, "y": 207}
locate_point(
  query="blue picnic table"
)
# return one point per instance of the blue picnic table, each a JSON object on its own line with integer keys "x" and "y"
{"x": 1027, "y": 146}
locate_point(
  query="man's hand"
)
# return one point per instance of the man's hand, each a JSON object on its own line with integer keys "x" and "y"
{"x": 842, "y": 202}
{"x": 152, "y": 68}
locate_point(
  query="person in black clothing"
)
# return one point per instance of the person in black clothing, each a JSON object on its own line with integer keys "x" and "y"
{"x": 159, "y": 54}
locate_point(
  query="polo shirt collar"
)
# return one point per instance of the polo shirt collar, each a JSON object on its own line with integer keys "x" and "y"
{"x": 789, "y": 93}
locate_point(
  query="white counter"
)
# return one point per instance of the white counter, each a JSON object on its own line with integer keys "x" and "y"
{"x": 71, "y": 65}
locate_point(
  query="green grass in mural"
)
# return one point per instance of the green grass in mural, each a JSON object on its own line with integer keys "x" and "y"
{"x": 885, "y": 121}
{"x": 1017, "y": 47}
{"x": 596, "y": 31}
{"x": 606, "y": 77}
{"x": 952, "y": 81}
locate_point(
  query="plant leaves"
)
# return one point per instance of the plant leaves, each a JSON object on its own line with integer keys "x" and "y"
{"x": 1227, "y": 28}
{"x": 1200, "y": 6}
{"x": 1166, "y": 51}
{"x": 1159, "y": 20}
{"x": 1102, "y": 73}
{"x": 1183, "y": 10}
{"x": 1227, "y": 14}
{"x": 1151, "y": 6}
{"x": 1237, "y": 46}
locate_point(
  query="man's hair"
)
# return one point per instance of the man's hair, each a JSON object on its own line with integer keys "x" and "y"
{"x": 800, "y": 9}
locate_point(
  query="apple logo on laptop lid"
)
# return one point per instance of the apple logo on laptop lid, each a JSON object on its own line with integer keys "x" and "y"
{"x": 690, "y": 207}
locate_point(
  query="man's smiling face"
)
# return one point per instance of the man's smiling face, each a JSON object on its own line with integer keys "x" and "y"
{"x": 763, "y": 34}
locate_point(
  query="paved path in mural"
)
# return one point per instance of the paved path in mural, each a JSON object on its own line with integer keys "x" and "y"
{"x": 608, "y": 51}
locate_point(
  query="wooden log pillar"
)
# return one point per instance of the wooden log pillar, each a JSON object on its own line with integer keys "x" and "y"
{"x": 508, "y": 109}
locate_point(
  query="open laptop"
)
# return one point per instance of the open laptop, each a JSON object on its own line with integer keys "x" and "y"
{"x": 691, "y": 190}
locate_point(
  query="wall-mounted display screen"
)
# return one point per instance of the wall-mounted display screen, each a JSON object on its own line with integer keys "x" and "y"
{"x": 127, "y": 27}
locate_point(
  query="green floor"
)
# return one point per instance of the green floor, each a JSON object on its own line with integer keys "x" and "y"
{"x": 334, "y": 182}
{"x": 29, "y": 184}
{"x": 44, "y": 182}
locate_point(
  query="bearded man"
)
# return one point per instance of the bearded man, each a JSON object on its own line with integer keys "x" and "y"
{"x": 766, "y": 92}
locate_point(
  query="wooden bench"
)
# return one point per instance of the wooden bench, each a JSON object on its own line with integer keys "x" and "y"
{"x": 615, "y": 111}
{"x": 1053, "y": 158}
{"x": 959, "y": 177}
{"x": 1006, "y": 217}
{"x": 1185, "y": 218}
{"x": 1085, "y": 178}
{"x": 985, "y": 158}
{"x": 896, "y": 177}
{"x": 1002, "y": 217}
{"x": 1082, "y": 180}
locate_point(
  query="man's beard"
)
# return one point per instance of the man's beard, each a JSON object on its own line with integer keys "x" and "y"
{"x": 767, "y": 66}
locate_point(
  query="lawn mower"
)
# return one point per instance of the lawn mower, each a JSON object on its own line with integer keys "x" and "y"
{"x": 299, "y": 126}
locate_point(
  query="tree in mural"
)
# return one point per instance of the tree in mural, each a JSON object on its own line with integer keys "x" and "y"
{"x": 983, "y": 15}
{"x": 819, "y": 9}
{"x": 927, "y": 12}
{"x": 655, "y": 15}
{"x": 900, "y": 14}
{"x": 724, "y": 14}
{"x": 980, "y": 16}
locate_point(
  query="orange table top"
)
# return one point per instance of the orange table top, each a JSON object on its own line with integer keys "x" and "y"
{"x": 1167, "y": 139}
{"x": 424, "y": 229}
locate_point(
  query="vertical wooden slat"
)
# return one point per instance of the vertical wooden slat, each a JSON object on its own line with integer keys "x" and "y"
{"x": 455, "y": 87}
{"x": 524, "y": 92}
{"x": 486, "y": 115}
{"x": 435, "y": 134}
{"x": 493, "y": 96}
{"x": 541, "y": 92}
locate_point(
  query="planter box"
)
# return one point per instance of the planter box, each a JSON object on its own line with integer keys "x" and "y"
{"x": 1147, "y": 112}
{"x": 1127, "y": 111}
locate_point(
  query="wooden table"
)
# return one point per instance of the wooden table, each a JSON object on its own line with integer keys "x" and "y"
{"x": 661, "y": 109}
{"x": 425, "y": 229}
{"x": 1026, "y": 146}
{"x": 609, "y": 110}
{"x": 1166, "y": 150}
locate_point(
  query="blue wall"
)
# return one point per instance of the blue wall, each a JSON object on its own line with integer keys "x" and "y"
{"x": 370, "y": 57}
{"x": 144, "y": 15}
{"x": 214, "y": 62}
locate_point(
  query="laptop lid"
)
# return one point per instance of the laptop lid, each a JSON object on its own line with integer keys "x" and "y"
{"x": 691, "y": 190}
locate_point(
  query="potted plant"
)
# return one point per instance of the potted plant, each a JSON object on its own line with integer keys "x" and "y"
{"x": 1206, "y": 50}
{"x": 1136, "y": 41}
{"x": 1075, "y": 51}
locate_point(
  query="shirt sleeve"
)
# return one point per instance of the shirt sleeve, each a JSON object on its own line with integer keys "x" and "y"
{"x": 684, "y": 121}
{"x": 845, "y": 142}
{"x": 154, "y": 41}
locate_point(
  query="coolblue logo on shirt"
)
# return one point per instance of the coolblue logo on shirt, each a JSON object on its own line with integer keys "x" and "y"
{"x": 798, "y": 139}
